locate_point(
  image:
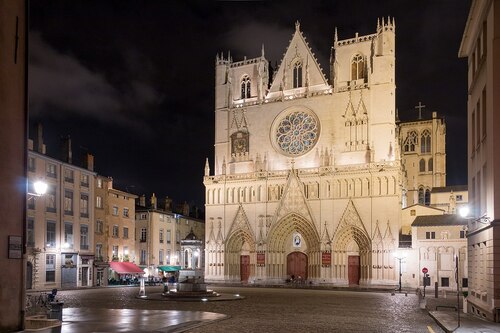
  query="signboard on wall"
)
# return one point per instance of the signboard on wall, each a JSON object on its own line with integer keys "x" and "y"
{"x": 261, "y": 258}
{"x": 326, "y": 258}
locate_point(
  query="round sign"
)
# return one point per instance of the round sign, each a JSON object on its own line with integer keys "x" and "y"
{"x": 424, "y": 270}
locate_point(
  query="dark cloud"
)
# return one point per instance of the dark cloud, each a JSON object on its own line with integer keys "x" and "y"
{"x": 61, "y": 83}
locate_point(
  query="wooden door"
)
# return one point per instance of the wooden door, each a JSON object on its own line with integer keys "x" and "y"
{"x": 244, "y": 268}
{"x": 353, "y": 269}
{"x": 296, "y": 265}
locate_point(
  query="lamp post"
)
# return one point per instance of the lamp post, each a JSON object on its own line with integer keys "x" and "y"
{"x": 399, "y": 256}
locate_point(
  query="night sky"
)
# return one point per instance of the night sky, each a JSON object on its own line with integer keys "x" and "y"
{"x": 132, "y": 82}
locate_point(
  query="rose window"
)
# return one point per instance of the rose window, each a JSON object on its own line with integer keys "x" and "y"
{"x": 297, "y": 133}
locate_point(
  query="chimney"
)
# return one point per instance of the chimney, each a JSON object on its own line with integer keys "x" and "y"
{"x": 67, "y": 153}
{"x": 168, "y": 204}
{"x": 39, "y": 146}
{"x": 185, "y": 209}
{"x": 153, "y": 201}
{"x": 88, "y": 161}
{"x": 142, "y": 201}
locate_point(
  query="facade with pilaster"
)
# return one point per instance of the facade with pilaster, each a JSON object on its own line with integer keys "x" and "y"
{"x": 481, "y": 47}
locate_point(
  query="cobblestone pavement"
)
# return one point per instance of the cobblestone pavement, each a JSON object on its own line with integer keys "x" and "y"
{"x": 278, "y": 309}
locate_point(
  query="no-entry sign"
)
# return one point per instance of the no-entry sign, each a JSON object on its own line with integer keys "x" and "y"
{"x": 425, "y": 270}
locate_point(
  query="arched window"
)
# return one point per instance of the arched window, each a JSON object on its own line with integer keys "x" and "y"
{"x": 427, "y": 197}
{"x": 425, "y": 142}
{"x": 357, "y": 67}
{"x": 431, "y": 165}
{"x": 421, "y": 195}
{"x": 410, "y": 142}
{"x": 422, "y": 165}
{"x": 245, "y": 87}
{"x": 297, "y": 75}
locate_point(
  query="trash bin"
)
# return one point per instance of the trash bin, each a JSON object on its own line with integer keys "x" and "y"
{"x": 56, "y": 310}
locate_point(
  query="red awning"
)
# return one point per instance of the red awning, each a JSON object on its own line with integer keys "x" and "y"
{"x": 125, "y": 267}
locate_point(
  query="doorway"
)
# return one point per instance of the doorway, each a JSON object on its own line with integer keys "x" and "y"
{"x": 296, "y": 265}
{"x": 244, "y": 268}
{"x": 353, "y": 270}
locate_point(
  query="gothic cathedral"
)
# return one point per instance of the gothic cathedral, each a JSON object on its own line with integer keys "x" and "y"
{"x": 307, "y": 179}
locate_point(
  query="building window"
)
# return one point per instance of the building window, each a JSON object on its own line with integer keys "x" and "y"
{"x": 30, "y": 232}
{"x": 177, "y": 236}
{"x": 69, "y": 175}
{"x": 143, "y": 216}
{"x": 297, "y": 75}
{"x": 99, "y": 183}
{"x": 68, "y": 235}
{"x": 245, "y": 87}
{"x": 425, "y": 141}
{"x": 50, "y": 199}
{"x": 413, "y": 212}
{"x": 465, "y": 283}
{"x": 125, "y": 253}
{"x": 430, "y": 235}
{"x": 463, "y": 234}
{"x": 125, "y": 212}
{"x": 421, "y": 165}
{"x": 51, "y": 170}
{"x": 84, "y": 237}
{"x": 115, "y": 252}
{"x": 430, "y": 165}
{"x": 31, "y": 164}
{"x": 143, "y": 235}
{"x": 410, "y": 142}
{"x": 84, "y": 180}
{"x": 84, "y": 205}
{"x": 125, "y": 232}
{"x": 50, "y": 268}
{"x": 98, "y": 201}
{"x": 421, "y": 195}
{"x": 115, "y": 231}
{"x": 168, "y": 257}
{"x": 445, "y": 282}
{"x": 357, "y": 67}
{"x": 143, "y": 257}
{"x": 115, "y": 210}
{"x": 98, "y": 252}
{"x": 459, "y": 197}
{"x": 99, "y": 227}
{"x": 161, "y": 235}
{"x": 160, "y": 257}
{"x": 68, "y": 202}
{"x": 169, "y": 236}
{"x": 427, "y": 197}
{"x": 50, "y": 235}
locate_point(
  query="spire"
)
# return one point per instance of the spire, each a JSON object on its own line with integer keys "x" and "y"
{"x": 297, "y": 25}
{"x": 336, "y": 37}
{"x": 207, "y": 168}
{"x": 262, "y": 51}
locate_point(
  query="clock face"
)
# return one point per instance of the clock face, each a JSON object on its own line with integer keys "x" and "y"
{"x": 296, "y": 132}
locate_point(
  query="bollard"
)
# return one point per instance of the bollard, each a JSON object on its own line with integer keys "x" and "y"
{"x": 56, "y": 309}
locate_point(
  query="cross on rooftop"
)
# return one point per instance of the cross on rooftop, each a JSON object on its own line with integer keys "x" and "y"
{"x": 419, "y": 107}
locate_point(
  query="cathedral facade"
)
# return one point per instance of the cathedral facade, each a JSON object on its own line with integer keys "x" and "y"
{"x": 306, "y": 181}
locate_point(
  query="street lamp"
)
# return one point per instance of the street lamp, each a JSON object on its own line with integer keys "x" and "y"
{"x": 399, "y": 255}
{"x": 464, "y": 212}
{"x": 40, "y": 188}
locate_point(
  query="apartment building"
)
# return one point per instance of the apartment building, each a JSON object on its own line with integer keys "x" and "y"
{"x": 59, "y": 224}
{"x": 159, "y": 232}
